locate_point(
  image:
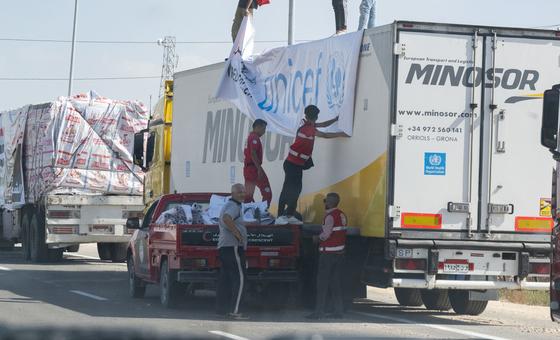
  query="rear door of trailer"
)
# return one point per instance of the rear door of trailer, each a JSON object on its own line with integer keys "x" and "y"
{"x": 466, "y": 155}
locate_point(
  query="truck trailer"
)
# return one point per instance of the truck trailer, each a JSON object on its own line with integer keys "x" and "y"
{"x": 67, "y": 176}
{"x": 445, "y": 188}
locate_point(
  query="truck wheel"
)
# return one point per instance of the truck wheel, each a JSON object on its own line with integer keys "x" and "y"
{"x": 462, "y": 305}
{"x": 73, "y": 249}
{"x": 280, "y": 295}
{"x": 136, "y": 289}
{"x": 170, "y": 289}
{"x": 118, "y": 252}
{"x": 436, "y": 299}
{"x": 25, "y": 240}
{"x": 38, "y": 247}
{"x": 408, "y": 297}
{"x": 6, "y": 245}
{"x": 55, "y": 255}
{"x": 104, "y": 251}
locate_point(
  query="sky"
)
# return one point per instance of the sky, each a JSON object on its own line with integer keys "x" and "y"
{"x": 189, "y": 21}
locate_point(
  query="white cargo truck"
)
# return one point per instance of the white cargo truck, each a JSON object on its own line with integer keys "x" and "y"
{"x": 67, "y": 176}
{"x": 443, "y": 179}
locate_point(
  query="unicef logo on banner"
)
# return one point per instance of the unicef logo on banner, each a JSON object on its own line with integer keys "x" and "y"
{"x": 277, "y": 85}
{"x": 336, "y": 80}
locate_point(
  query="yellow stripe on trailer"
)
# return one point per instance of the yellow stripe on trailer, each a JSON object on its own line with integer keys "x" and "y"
{"x": 421, "y": 221}
{"x": 533, "y": 224}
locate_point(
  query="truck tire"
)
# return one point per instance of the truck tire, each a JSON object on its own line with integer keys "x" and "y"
{"x": 6, "y": 245}
{"x": 104, "y": 251}
{"x": 73, "y": 249}
{"x": 436, "y": 299}
{"x": 170, "y": 289}
{"x": 25, "y": 240}
{"x": 463, "y": 306}
{"x": 136, "y": 289}
{"x": 118, "y": 252}
{"x": 280, "y": 295}
{"x": 55, "y": 255}
{"x": 408, "y": 297}
{"x": 38, "y": 248}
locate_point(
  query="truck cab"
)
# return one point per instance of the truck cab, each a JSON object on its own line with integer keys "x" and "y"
{"x": 549, "y": 139}
{"x": 184, "y": 257}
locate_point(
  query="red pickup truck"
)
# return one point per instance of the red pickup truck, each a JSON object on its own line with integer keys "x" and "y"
{"x": 184, "y": 257}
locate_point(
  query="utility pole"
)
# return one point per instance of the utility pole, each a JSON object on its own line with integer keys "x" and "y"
{"x": 291, "y": 23}
{"x": 71, "y": 77}
{"x": 170, "y": 61}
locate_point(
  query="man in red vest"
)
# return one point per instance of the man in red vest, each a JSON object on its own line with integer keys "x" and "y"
{"x": 253, "y": 171}
{"x": 331, "y": 259}
{"x": 299, "y": 159}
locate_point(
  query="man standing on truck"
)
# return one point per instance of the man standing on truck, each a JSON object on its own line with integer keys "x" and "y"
{"x": 331, "y": 257}
{"x": 299, "y": 159}
{"x": 253, "y": 171}
{"x": 232, "y": 243}
{"x": 244, "y": 8}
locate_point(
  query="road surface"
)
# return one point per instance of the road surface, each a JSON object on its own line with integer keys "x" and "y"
{"x": 86, "y": 293}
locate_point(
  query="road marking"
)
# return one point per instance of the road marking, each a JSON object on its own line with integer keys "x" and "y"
{"x": 95, "y": 297}
{"x": 228, "y": 335}
{"x": 5, "y": 268}
{"x": 439, "y": 327}
{"x": 83, "y": 280}
{"x": 95, "y": 258}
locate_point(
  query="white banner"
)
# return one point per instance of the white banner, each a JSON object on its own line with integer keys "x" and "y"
{"x": 277, "y": 85}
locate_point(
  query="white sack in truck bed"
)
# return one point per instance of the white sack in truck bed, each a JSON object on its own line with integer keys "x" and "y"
{"x": 81, "y": 144}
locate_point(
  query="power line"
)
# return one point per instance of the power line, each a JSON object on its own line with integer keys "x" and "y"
{"x": 87, "y": 78}
{"x": 127, "y": 41}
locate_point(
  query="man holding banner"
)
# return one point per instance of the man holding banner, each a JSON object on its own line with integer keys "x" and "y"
{"x": 244, "y": 8}
{"x": 299, "y": 159}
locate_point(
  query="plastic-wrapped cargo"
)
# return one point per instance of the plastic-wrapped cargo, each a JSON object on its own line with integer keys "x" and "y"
{"x": 81, "y": 144}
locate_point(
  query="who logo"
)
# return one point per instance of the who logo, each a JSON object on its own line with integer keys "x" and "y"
{"x": 435, "y": 163}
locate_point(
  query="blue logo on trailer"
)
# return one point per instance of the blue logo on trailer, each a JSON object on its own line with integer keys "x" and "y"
{"x": 434, "y": 163}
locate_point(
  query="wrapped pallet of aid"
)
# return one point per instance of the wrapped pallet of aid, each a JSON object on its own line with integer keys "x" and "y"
{"x": 74, "y": 151}
{"x": 82, "y": 144}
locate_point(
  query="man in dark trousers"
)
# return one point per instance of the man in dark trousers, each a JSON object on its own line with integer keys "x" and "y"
{"x": 331, "y": 259}
{"x": 299, "y": 159}
{"x": 253, "y": 171}
{"x": 340, "y": 8}
{"x": 244, "y": 8}
{"x": 232, "y": 243}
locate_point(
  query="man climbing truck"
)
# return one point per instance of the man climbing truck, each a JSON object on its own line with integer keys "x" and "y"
{"x": 442, "y": 179}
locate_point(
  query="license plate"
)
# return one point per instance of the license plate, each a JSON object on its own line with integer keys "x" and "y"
{"x": 456, "y": 267}
{"x": 101, "y": 227}
{"x": 404, "y": 253}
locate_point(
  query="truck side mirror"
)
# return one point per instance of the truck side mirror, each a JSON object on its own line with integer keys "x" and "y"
{"x": 133, "y": 223}
{"x": 138, "y": 155}
{"x": 150, "y": 146}
{"x": 549, "y": 128}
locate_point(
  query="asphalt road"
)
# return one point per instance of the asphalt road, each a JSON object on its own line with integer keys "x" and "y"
{"x": 85, "y": 293}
